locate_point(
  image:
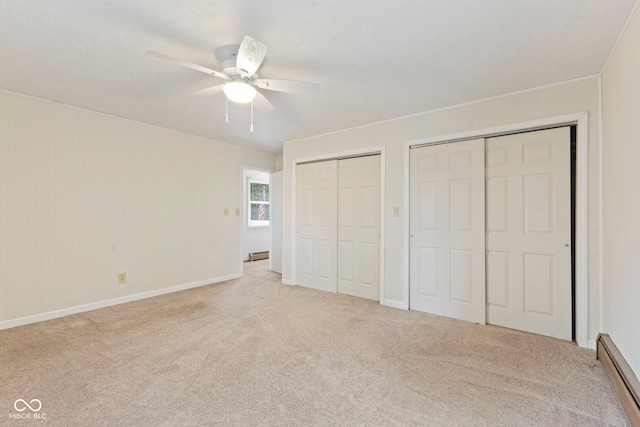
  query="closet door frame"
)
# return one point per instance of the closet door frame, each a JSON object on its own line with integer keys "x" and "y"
{"x": 336, "y": 156}
{"x": 581, "y": 121}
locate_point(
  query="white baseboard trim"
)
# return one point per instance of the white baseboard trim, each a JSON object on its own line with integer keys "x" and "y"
{"x": 288, "y": 282}
{"x": 591, "y": 344}
{"x": 395, "y": 304}
{"x": 34, "y": 318}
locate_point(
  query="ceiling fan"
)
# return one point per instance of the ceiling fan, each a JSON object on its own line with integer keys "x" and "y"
{"x": 242, "y": 81}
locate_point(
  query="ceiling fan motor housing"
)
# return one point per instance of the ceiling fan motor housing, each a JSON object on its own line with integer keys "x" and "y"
{"x": 229, "y": 66}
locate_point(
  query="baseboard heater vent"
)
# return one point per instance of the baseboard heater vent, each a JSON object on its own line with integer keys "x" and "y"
{"x": 256, "y": 256}
{"x": 622, "y": 378}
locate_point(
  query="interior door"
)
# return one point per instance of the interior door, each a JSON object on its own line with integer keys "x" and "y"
{"x": 529, "y": 232}
{"x": 275, "y": 222}
{"x": 359, "y": 227}
{"x": 316, "y": 224}
{"x": 447, "y": 215}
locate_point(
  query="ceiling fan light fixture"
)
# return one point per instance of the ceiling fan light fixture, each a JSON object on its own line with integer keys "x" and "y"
{"x": 239, "y": 91}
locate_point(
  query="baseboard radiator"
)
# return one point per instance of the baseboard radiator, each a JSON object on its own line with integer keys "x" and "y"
{"x": 255, "y": 256}
{"x": 622, "y": 378}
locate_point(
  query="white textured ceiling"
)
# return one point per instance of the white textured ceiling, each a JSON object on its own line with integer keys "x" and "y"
{"x": 374, "y": 60}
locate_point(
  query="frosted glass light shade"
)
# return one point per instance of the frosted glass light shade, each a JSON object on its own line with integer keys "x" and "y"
{"x": 239, "y": 91}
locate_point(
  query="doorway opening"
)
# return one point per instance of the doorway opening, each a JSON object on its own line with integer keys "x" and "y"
{"x": 256, "y": 213}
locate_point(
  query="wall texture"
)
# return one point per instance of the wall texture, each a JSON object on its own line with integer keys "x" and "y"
{"x": 621, "y": 196}
{"x": 85, "y": 196}
{"x": 392, "y": 136}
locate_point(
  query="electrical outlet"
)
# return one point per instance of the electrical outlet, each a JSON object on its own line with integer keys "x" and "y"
{"x": 122, "y": 277}
{"x": 226, "y": 211}
{"x": 396, "y": 211}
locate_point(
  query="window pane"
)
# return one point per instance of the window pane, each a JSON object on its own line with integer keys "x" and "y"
{"x": 259, "y": 192}
{"x": 259, "y": 212}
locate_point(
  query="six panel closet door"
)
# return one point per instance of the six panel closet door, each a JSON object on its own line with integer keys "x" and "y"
{"x": 359, "y": 227}
{"x": 447, "y": 251}
{"x": 317, "y": 224}
{"x": 529, "y": 232}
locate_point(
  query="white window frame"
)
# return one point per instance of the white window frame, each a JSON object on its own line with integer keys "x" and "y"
{"x": 255, "y": 223}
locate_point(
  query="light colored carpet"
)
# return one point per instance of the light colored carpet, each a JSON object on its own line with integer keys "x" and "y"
{"x": 254, "y": 352}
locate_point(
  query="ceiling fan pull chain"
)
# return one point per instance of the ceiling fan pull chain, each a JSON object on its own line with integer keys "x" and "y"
{"x": 251, "y": 116}
{"x": 226, "y": 109}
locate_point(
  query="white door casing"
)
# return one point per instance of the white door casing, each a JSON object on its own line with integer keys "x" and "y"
{"x": 529, "y": 232}
{"x": 359, "y": 227}
{"x": 275, "y": 222}
{"x": 447, "y": 230}
{"x": 316, "y": 225}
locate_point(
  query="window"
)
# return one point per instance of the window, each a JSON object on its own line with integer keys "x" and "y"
{"x": 258, "y": 214}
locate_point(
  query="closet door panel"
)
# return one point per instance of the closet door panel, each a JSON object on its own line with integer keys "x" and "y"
{"x": 529, "y": 232}
{"x": 316, "y": 225}
{"x": 447, "y": 227}
{"x": 359, "y": 227}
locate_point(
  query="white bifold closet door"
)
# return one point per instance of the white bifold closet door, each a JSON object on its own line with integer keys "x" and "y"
{"x": 317, "y": 224}
{"x": 447, "y": 214}
{"x": 529, "y": 232}
{"x": 359, "y": 227}
{"x": 338, "y": 226}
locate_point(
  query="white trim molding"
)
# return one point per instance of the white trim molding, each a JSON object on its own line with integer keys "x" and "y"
{"x": 20, "y": 321}
{"x": 461, "y": 104}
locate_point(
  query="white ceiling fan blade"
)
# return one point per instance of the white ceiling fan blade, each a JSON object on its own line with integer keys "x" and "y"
{"x": 287, "y": 85}
{"x": 250, "y": 56}
{"x": 262, "y": 103}
{"x": 208, "y": 91}
{"x": 188, "y": 64}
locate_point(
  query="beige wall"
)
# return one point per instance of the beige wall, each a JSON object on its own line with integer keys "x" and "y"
{"x": 392, "y": 136}
{"x": 85, "y": 196}
{"x": 621, "y": 195}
